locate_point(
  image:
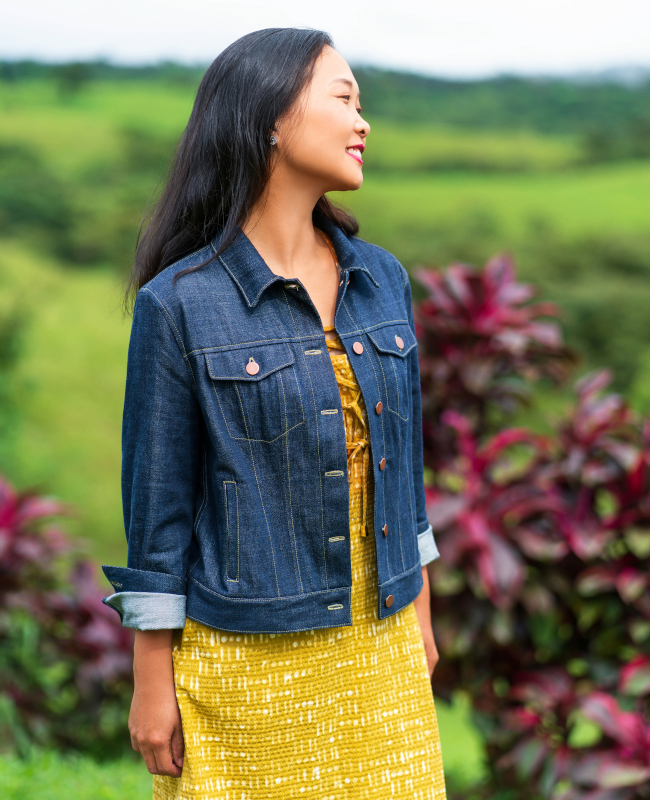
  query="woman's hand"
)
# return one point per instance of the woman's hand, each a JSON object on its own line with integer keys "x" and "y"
{"x": 155, "y": 721}
{"x": 423, "y": 610}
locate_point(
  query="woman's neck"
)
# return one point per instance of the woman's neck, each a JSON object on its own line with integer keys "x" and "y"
{"x": 280, "y": 226}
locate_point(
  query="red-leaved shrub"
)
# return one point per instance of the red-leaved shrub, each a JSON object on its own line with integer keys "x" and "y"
{"x": 540, "y": 599}
{"x": 481, "y": 346}
{"x": 65, "y": 660}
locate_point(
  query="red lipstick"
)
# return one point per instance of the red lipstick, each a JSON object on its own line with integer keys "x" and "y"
{"x": 359, "y": 148}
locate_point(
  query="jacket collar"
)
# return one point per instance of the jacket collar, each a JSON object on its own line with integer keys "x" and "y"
{"x": 252, "y": 275}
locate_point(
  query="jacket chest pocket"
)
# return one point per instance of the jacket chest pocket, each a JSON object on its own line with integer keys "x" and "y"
{"x": 257, "y": 391}
{"x": 392, "y": 344}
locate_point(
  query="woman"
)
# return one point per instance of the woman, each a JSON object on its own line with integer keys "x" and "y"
{"x": 272, "y": 457}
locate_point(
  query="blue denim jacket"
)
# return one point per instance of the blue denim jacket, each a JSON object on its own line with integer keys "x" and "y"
{"x": 234, "y": 477}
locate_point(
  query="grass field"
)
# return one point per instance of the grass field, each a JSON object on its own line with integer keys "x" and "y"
{"x": 84, "y": 129}
{"x": 429, "y": 148}
{"x": 604, "y": 199}
{"x": 71, "y": 383}
{"x": 51, "y": 776}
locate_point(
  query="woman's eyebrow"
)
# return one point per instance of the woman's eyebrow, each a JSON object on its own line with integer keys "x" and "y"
{"x": 343, "y": 80}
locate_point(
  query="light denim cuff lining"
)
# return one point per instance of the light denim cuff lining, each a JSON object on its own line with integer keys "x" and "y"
{"x": 146, "y": 611}
{"x": 427, "y": 545}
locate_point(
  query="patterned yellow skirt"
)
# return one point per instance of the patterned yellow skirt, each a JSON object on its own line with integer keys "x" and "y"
{"x": 326, "y": 714}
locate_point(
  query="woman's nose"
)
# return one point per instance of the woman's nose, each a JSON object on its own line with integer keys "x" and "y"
{"x": 362, "y": 127}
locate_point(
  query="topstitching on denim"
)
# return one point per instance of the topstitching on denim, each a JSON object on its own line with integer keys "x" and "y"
{"x": 207, "y": 440}
{"x": 320, "y": 477}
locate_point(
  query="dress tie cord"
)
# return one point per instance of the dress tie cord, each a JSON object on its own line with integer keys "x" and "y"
{"x": 360, "y": 445}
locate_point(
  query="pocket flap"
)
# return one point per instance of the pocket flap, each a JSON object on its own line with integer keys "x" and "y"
{"x": 389, "y": 339}
{"x": 230, "y": 365}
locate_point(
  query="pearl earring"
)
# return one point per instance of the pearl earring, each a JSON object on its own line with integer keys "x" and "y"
{"x": 273, "y": 139}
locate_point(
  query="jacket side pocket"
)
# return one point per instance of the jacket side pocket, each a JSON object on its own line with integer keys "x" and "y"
{"x": 231, "y": 505}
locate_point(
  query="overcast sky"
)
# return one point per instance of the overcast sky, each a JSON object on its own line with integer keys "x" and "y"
{"x": 464, "y": 38}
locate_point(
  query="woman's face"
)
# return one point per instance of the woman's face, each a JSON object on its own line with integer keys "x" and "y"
{"x": 324, "y": 136}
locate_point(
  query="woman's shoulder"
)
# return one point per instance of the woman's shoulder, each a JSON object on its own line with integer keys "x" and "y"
{"x": 381, "y": 263}
{"x": 182, "y": 279}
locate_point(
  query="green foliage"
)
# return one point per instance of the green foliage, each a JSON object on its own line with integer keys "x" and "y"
{"x": 33, "y": 201}
{"x": 435, "y": 148}
{"x": 405, "y": 212}
{"x": 164, "y": 72}
{"x": 106, "y": 232}
{"x": 68, "y": 388}
{"x": 71, "y": 218}
{"x": 62, "y": 713}
{"x": 12, "y": 329}
{"x": 71, "y": 78}
{"x": 66, "y": 670}
{"x": 640, "y": 388}
{"x": 602, "y": 282}
{"x": 628, "y": 140}
{"x": 458, "y": 791}
{"x": 48, "y": 775}
{"x": 611, "y": 119}
{"x": 506, "y": 103}
{"x": 144, "y": 152}
{"x": 548, "y": 105}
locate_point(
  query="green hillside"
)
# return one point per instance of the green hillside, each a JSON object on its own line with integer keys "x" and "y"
{"x": 613, "y": 103}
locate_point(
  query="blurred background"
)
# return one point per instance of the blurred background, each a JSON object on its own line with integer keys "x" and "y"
{"x": 496, "y": 127}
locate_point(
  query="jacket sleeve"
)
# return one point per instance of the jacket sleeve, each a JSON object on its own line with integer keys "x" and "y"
{"x": 161, "y": 472}
{"x": 426, "y": 541}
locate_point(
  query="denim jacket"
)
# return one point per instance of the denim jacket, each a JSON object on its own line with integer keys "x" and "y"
{"x": 234, "y": 476}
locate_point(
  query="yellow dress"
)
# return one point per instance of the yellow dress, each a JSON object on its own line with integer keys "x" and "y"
{"x": 327, "y": 714}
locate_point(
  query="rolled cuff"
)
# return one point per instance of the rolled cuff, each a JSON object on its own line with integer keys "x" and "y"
{"x": 126, "y": 579}
{"x": 146, "y": 611}
{"x": 427, "y": 546}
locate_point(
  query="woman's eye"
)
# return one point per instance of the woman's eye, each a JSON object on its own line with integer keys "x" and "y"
{"x": 347, "y": 98}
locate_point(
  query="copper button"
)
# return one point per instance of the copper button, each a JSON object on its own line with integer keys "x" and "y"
{"x": 252, "y": 367}
{"x": 400, "y": 342}
{"x": 389, "y": 601}
{"x": 358, "y": 348}
{"x": 385, "y": 529}
{"x": 379, "y": 407}
{"x": 382, "y": 464}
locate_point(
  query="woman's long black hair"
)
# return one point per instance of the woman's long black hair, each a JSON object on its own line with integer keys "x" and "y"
{"x": 222, "y": 164}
